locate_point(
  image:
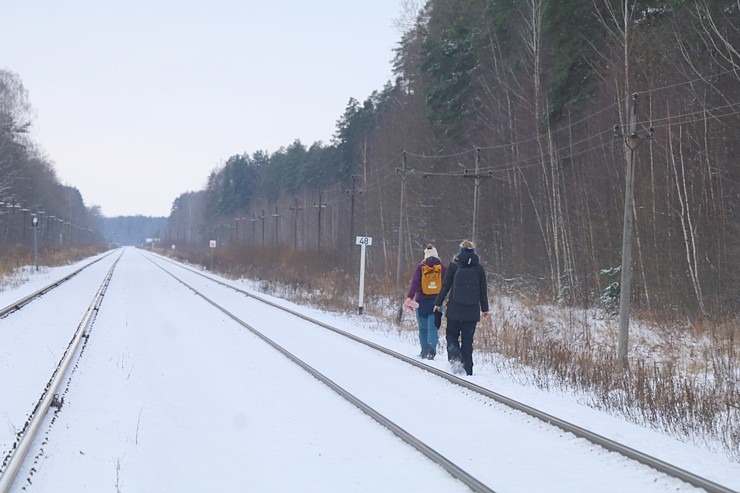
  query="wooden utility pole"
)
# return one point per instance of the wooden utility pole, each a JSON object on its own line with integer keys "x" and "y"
{"x": 320, "y": 206}
{"x": 277, "y": 224}
{"x": 352, "y": 192}
{"x": 476, "y": 192}
{"x": 631, "y": 141}
{"x": 254, "y": 222}
{"x": 399, "y": 265}
{"x": 295, "y": 210}
{"x": 404, "y": 173}
{"x": 262, "y": 218}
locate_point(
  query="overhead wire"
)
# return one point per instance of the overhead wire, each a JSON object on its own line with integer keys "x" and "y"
{"x": 595, "y": 114}
{"x": 536, "y": 160}
{"x": 688, "y": 82}
{"x": 522, "y": 163}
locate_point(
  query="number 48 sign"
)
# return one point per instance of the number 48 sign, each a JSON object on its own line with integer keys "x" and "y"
{"x": 363, "y": 241}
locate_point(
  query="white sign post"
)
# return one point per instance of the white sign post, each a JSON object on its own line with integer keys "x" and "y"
{"x": 212, "y": 245}
{"x": 363, "y": 241}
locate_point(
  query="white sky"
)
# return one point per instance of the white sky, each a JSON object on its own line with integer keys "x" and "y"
{"x": 136, "y": 102}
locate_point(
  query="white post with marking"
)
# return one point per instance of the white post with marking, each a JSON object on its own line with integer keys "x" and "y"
{"x": 363, "y": 241}
{"x": 212, "y": 246}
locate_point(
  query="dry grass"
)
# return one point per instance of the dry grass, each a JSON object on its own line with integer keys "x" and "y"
{"x": 681, "y": 380}
{"x": 302, "y": 277}
{"x": 14, "y": 258}
{"x": 686, "y": 387}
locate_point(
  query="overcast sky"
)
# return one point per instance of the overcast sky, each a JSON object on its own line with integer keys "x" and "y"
{"x": 137, "y": 101}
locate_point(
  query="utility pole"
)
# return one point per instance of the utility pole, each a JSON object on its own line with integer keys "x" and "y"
{"x": 476, "y": 192}
{"x": 13, "y": 235}
{"x": 631, "y": 141}
{"x": 320, "y": 205}
{"x": 23, "y": 237}
{"x": 244, "y": 229}
{"x": 399, "y": 266}
{"x": 295, "y": 210}
{"x": 352, "y": 194}
{"x": 277, "y": 219}
{"x": 254, "y": 221}
{"x": 262, "y": 218}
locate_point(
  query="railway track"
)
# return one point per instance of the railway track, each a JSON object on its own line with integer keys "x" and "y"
{"x": 596, "y": 439}
{"x": 234, "y": 307}
{"x": 50, "y": 397}
{"x": 455, "y": 470}
{"x": 18, "y": 304}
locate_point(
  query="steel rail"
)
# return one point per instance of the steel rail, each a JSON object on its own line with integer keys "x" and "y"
{"x": 453, "y": 469}
{"x": 17, "y": 305}
{"x": 28, "y": 434}
{"x": 606, "y": 443}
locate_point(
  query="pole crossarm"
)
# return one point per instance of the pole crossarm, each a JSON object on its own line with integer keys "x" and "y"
{"x": 467, "y": 174}
{"x": 405, "y": 172}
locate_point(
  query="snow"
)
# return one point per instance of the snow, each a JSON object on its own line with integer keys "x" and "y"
{"x": 173, "y": 395}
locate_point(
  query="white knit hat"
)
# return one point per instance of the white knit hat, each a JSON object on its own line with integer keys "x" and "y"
{"x": 430, "y": 251}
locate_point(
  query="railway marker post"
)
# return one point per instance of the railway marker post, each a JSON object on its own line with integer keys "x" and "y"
{"x": 363, "y": 241}
{"x": 35, "y": 224}
{"x": 212, "y": 244}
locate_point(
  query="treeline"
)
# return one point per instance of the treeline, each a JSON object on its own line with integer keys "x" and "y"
{"x": 134, "y": 230}
{"x": 29, "y": 188}
{"x": 523, "y": 105}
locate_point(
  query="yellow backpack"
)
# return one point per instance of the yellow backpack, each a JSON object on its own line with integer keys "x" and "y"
{"x": 431, "y": 278}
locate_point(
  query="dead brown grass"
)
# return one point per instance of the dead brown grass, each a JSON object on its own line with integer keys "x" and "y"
{"x": 13, "y": 258}
{"x": 683, "y": 387}
{"x": 302, "y": 276}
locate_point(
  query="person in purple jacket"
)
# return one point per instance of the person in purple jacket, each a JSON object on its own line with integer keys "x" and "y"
{"x": 423, "y": 290}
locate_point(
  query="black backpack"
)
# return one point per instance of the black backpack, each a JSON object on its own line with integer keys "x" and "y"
{"x": 465, "y": 286}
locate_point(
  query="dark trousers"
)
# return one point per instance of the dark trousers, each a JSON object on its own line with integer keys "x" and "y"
{"x": 460, "y": 342}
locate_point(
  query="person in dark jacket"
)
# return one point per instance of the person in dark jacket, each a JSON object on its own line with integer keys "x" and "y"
{"x": 428, "y": 336}
{"x": 465, "y": 282}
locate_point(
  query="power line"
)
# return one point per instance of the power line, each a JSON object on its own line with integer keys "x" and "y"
{"x": 437, "y": 156}
{"x": 522, "y": 163}
{"x": 688, "y": 82}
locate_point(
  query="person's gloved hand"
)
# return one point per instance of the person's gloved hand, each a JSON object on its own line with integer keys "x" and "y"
{"x": 410, "y": 304}
{"x": 438, "y": 318}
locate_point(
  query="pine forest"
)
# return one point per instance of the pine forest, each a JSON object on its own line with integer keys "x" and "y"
{"x": 509, "y": 122}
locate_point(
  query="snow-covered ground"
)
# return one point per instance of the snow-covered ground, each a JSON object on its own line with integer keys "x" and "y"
{"x": 172, "y": 395}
